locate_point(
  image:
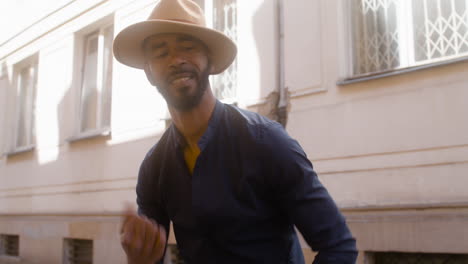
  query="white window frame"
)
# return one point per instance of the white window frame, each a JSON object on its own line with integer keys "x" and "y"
{"x": 104, "y": 99}
{"x": 30, "y": 62}
{"x": 406, "y": 43}
{"x": 4, "y": 107}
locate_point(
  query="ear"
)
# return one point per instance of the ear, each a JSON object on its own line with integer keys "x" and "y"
{"x": 210, "y": 60}
{"x": 211, "y": 69}
{"x": 149, "y": 75}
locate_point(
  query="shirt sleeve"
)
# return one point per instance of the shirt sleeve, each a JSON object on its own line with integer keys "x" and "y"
{"x": 305, "y": 200}
{"x": 149, "y": 197}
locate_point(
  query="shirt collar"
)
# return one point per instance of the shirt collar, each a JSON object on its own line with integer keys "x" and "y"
{"x": 179, "y": 140}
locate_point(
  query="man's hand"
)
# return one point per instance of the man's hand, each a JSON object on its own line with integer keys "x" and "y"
{"x": 142, "y": 239}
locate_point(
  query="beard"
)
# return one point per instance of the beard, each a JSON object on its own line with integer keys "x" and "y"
{"x": 187, "y": 100}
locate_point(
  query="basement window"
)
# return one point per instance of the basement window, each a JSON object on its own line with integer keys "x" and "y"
{"x": 414, "y": 258}
{"x": 9, "y": 245}
{"x": 173, "y": 255}
{"x": 77, "y": 251}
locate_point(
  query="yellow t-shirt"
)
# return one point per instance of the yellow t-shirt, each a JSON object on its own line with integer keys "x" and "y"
{"x": 190, "y": 157}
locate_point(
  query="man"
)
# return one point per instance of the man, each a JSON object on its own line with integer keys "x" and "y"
{"x": 232, "y": 182}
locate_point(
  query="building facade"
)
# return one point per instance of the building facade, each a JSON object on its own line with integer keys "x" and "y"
{"x": 375, "y": 91}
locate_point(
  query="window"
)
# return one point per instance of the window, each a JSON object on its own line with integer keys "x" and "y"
{"x": 77, "y": 251}
{"x": 25, "y": 93}
{"x": 414, "y": 258}
{"x": 395, "y": 34}
{"x": 9, "y": 245}
{"x": 225, "y": 20}
{"x": 95, "y": 82}
{"x": 222, "y": 16}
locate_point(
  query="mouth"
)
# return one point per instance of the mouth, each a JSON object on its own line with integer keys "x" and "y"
{"x": 179, "y": 81}
{"x": 181, "y": 78}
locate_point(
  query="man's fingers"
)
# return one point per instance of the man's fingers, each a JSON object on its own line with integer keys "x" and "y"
{"x": 138, "y": 236}
{"x": 127, "y": 214}
{"x": 129, "y": 208}
{"x": 142, "y": 237}
{"x": 126, "y": 237}
{"x": 150, "y": 237}
{"x": 125, "y": 221}
{"x": 160, "y": 243}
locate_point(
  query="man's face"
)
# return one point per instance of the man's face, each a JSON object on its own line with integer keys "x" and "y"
{"x": 179, "y": 67}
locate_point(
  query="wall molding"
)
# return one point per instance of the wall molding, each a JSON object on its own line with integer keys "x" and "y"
{"x": 398, "y": 159}
{"x": 399, "y": 208}
{"x": 61, "y": 216}
{"x": 81, "y": 187}
{"x": 306, "y": 92}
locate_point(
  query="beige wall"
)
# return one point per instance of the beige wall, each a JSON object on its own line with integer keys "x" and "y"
{"x": 76, "y": 173}
{"x": 391, "y": 151}
{"x": 42, "y": 236}
{"x": 394, "y": 141}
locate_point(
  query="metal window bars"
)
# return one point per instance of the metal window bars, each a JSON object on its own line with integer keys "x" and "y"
{"x": 225, "y": 20}
{"x": 9, "y": 245}
{"x": 78, "y": 251}
{"x": 414, "y": 258}
{"x": 392, "y": 34}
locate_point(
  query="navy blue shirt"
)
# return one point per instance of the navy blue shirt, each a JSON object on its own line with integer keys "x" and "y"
{"x": 251, "y": 185}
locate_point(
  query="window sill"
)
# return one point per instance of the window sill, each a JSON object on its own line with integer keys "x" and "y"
{"x": 21, "y": 150}
{"x": 90, "y": 135}
{"x": 9, "y": 259}
{"x": 384, "y": 74}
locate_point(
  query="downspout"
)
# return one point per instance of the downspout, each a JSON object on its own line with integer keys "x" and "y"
{"x": 282, "y": 106}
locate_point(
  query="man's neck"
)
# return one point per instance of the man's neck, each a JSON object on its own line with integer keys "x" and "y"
{"x": 192, "y": 124}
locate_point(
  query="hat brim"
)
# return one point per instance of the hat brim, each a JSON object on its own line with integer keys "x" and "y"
{"x": 128, "y": 44}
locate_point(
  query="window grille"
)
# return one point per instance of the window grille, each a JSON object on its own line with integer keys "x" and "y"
{"x": 415, "y": 258}
{"x": 224, "y": 19}
{"x": 441, "y": 28}
{"x": 9, "y": 245}
{"x": 392, "y": 34}
{"x": 222, "y": 16}
{"x": 78, "y": 251}
{"x": 96, "y": 81}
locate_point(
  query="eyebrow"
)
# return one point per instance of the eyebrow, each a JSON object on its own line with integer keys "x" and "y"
{"x": 157, "y": 45}
{"x": 162, "y": 44}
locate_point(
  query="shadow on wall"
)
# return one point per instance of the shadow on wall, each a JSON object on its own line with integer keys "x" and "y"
{"x": 267, "y": 43}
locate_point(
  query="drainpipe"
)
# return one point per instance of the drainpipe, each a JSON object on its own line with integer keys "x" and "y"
{"x": 282, "y": 106}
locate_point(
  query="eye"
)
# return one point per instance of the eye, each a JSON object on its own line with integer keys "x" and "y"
{"x": 160, "y": 55}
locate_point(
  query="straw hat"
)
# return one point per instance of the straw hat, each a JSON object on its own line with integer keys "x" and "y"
{"x": 174, "y": 16}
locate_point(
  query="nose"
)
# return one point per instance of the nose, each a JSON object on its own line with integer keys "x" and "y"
{"x": 177, "y": 59}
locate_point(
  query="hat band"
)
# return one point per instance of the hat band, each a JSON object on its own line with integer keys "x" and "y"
{"x": 183, "y": 21}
